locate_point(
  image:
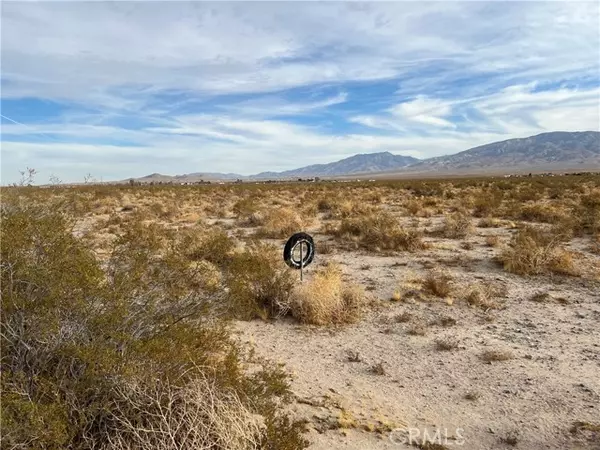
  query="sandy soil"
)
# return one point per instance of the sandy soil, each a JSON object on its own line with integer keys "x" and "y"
{"x": 530, "y": 401}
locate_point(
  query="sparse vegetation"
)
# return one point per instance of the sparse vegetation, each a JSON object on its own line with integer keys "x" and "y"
{"x": 130, "y": 294}
{"x": 124, "y": 354}
{"x": 379, "y": 231}
{"x": 472, "y": 396}
{"x": 353, "y": 356}
{"x": 418, "y": 329}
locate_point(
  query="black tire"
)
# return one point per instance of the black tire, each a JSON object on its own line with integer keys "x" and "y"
{"x": 292, "y": 243}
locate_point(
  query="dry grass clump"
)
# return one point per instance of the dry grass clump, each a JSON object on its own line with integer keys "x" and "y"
{"x": 533, "y": 251}
{"x": 488, "y": 222}
{"x": 457, "y": 225}
{"x": 198, "y": 414}
{"x": 483, "y": 295}
{"x": 167, "y": 210}
{"x": 380, "y": 231}
{"x": 326, "y": 299}
{"x": 584, "y": 426}
{"x": 492, "y": 240}
{"x": 418, "y": 329}
{"x": 343, "y": 207}
{"x": 377, "y": 369}
{"x": 541, "y": 297}
{"x": 540, "y": 212}
{"x": 437, "y": 283}
{"x": 280, "y": 223}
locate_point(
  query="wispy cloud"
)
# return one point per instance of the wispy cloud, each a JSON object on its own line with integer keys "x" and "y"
{"x": 128, "y": 88}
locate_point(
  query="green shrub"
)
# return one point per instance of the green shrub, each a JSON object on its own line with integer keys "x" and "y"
{"x": 92, "y": 353}
{"x": 214, "y": 245}
{"x": 259, "y": 283}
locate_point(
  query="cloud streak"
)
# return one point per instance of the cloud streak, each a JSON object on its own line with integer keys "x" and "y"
{"x": 130, "y": 88}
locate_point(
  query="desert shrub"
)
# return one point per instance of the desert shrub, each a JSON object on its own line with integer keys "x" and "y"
{"x": 165, "y": 210}
{"x": 457, "y": 225}
{"x": 380, "y": 231}
{"x": 539, "y": 213}
{"x": 213, "y": 245}
{"x": 326, "y": 299}
{"x": 324, "y": 204}
{"x": 487, "y": 204}
{"x": 259, "y": 283}
{"x": 413, "y": 206}
{"x": 483, "y": 295}
{"x": 344, "y": 207}
{"x": 246, "y": 206}
{"x": 492, "y": 240}
{"x": 248, "y": 212}
{"x": 92, "y": 354}
{"x": 281, "y": 223}
{"x": 588, "y": 213}
{"x": 533, "y": 251}
{"x": 438, "y": 283}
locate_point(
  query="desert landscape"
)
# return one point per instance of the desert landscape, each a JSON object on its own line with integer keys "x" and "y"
{"x": 437, "y": 314}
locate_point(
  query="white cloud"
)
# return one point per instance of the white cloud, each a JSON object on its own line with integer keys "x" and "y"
{"x": 207, "y": 81}
{"x": 63, "y": 49}
{"x": 424, "y": 110}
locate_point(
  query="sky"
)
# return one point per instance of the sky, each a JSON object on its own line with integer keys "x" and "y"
{"x": 125, "y": 89}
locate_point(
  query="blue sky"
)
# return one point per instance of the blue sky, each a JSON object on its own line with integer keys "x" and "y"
{"x": 124, "y": 89}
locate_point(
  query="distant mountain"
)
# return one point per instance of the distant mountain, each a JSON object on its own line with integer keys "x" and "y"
{"x": 212, "y": 176}
{"x": 197, "y": 176}
{"x": 547, "y": 151}
{"x": 363, "y": 163}
{"x": 555, "y": 150}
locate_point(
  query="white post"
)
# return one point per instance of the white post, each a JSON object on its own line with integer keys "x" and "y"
{"x": 301, "y": 261}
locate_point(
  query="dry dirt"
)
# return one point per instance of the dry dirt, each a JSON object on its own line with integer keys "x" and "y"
{"x": 529, "y": 401}
{"x": 378, "y": 382}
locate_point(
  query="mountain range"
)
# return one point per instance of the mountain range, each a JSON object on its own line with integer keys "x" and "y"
{"x": 547, "y": 151}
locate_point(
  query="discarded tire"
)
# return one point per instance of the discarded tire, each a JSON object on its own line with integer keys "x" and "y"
{"x": 291, "y": 251}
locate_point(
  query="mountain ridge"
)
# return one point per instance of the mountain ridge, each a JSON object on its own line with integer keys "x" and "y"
{"x": 557, "y": 149}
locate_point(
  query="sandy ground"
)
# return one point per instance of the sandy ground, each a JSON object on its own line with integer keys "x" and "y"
{"x": 530, "y": 401}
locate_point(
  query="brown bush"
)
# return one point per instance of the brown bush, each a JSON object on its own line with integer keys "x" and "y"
{"x": 438, "y": 283}
{"x": 533, "y": 251}
{"x": 457, "y": 225}
{"x": 380, "y": 231}
{"x": 281, "y": 223}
